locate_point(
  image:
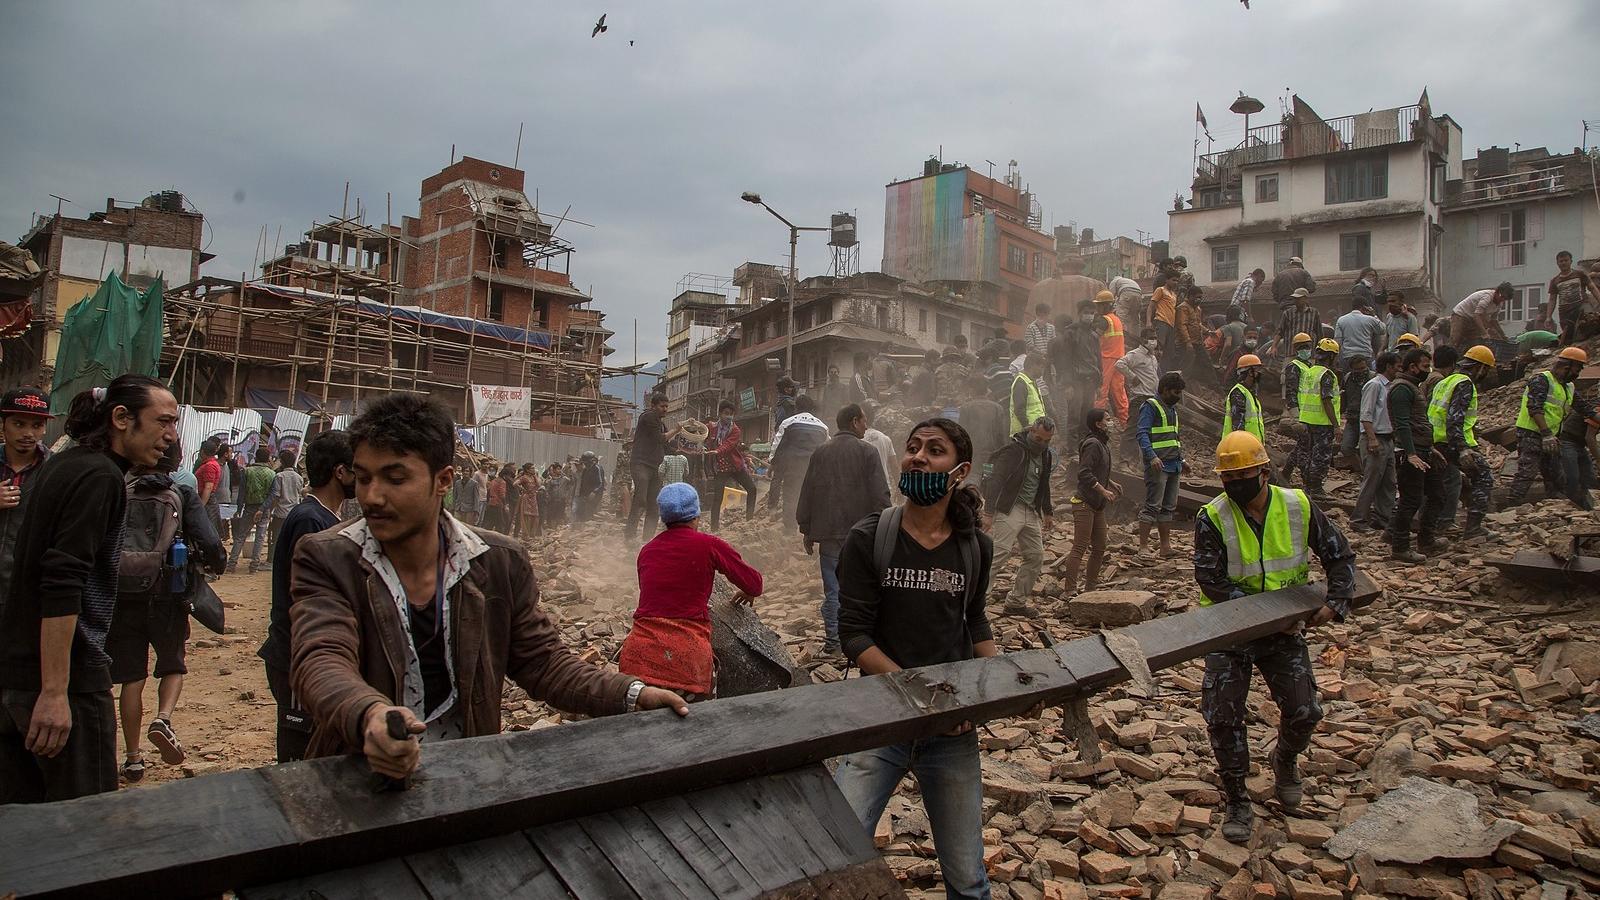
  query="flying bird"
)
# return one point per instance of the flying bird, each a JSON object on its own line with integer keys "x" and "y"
{"x": 599, "y": 27}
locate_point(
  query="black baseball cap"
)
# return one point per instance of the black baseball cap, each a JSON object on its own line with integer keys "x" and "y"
{"x": 25, "y": 401}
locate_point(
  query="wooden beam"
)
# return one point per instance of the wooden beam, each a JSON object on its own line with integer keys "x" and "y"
{"x": 1543, "y": 566}
{"x": 265, "y": 825}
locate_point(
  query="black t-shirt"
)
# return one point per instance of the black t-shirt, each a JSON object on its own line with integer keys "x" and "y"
{"x": 649, "y": 439}
{"x": 917, "y": 613}
{"x": 427, "y": 635}
{"x": 309, "y": 516}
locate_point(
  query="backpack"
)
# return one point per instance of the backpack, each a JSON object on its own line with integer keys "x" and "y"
{"x": 155, "y": 516}
{"x": 883, "y": 541}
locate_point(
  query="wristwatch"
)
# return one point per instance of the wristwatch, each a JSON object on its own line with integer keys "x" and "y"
{"x": 633, "y": 696}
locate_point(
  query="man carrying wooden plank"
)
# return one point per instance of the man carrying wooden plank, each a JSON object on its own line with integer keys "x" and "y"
{"x": 407, "y": 611}
{"x": 1257, "y": 537}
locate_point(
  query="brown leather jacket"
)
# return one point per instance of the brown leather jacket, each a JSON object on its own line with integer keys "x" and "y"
{"x": 349, "y": 643}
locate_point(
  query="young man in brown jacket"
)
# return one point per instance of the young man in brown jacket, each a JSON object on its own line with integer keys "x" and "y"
{"x": 408, "y": 610}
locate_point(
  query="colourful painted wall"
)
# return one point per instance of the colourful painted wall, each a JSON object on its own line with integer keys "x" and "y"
{"x": 928, "y": 234}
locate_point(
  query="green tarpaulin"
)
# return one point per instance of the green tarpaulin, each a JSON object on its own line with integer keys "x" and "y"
{"x": 115, "y": 332}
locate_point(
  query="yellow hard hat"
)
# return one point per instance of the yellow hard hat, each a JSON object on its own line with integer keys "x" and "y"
{"x": 1408, "y": 336}
{"x": 1575, "y": 354}
{"x": 1240, "y": 450}
{"x": 1104, "y": 297}
{"x": 1248, "y": 360}
{"x": 1328, "y": 345}
{"x": 1302, "y": 338}
{"x": 1480, "y": 354}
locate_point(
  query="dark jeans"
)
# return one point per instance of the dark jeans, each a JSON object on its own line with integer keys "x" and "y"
{"x": 294, "y": 724}
{"x": 828, "y": 564}
{"x": 272, "y": 536}
{"x": 725, "y": 479}
{"x": 86, "y": 765}
{"x": 1577, "y": 473}
{"x": 1418, "y": 490}
{"x": 243, "y": 524}
{"x": 646, "y": 485}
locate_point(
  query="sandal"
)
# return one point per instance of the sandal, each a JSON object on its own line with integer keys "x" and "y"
{"x": 161, "y": 735}
{"x": 133, "y": 768}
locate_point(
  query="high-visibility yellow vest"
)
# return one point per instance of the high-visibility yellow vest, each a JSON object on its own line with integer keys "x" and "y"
{"x": 1556, "y": 404}
{"x": 1164, "y": 433}
{"x": 1302, "y": 366}
{"x": 1311, "y": 411}
{"x": 1439, "y": 409}
{"x": 1035, "y": 407}
{"x": 1252, "y": 412}
{"x": 1281, "y": 557}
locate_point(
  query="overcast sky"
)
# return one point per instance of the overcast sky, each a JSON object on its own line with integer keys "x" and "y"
{"x": 261, "y": 112}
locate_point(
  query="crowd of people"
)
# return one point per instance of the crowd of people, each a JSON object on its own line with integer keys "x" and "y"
{"x": 397, "y": 620}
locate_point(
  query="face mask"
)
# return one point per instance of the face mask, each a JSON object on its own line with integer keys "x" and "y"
{"x": 1242, "y": 490}
{"x": 1303, "y": 355}
{"x": 1249, "y": 343}
{"x": 925, "y": 488}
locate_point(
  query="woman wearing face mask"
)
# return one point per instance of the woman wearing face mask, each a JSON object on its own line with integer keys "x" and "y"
{"x": 1096, "y": 491}
{"x": 913, "y": 596}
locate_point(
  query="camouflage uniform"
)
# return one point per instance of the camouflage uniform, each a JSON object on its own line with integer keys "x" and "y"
{"x": 1533, "y": 461}
{"x": 1314, "y": 451}
{"x": 1531, "y": 458}
{"x": 1283, "y": 659}
{"x": 1480, "y": 482}
{"x": 1285, "y": 664}
{"x": 950, "y": 382}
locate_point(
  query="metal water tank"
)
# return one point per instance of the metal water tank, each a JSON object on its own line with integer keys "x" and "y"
{"x": 844, "y": 231}
{"x": 1494, "y": 161}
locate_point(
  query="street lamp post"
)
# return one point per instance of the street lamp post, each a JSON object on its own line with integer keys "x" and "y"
{"x": 794, "y": 280}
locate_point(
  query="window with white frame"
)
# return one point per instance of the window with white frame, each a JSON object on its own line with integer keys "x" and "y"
{"x": 1511, "y": 239}
{"x": 1016, "y": 259}
{"x": 1283, "y": 251}
{"x": 1267, "y": 188}
{"x": 1523, "y": 305}
{"x": 1225, "y": 263}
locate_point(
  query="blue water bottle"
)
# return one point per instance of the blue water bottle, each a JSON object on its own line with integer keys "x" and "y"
{"x": 178, "y": 561}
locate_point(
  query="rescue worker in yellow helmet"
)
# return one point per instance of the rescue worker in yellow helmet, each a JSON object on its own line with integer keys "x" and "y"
{"x": 1289, "y": 423}
{"x": 1453, "y": 412}
{"x": 1242, "y": 408}
{"x": 1320, "y": 400}
{"x": 1545, "y": 402}
{"x": 1162, "y": 452}
{"x": 1407, "y": 342}
{"x": 1257, "y": 537}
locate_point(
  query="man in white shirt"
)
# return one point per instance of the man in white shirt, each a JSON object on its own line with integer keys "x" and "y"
{"x": 1244, "y": 291}
{"x": 1477, "y": 318}
{"x": 1141, "y": 371}
{"x": 1039, "y": 332}
{"x": 1375, "y": 503}
{"x": 887, "y": 452}
{"x": 1129, "y": 299}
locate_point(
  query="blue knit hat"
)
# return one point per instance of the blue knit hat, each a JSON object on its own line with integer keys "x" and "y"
{"x": 679, "y": 502}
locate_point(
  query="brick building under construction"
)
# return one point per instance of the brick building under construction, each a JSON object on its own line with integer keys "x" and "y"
{"x": 475, "y": 290}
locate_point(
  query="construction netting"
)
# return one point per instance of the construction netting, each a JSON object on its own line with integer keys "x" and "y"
{"x": 117, "y": 330}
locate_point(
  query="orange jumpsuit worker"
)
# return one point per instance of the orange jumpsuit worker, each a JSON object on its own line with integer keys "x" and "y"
{"x": 1111, "y": 383}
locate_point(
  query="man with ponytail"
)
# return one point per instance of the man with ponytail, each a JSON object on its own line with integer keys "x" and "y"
{"x": 912, "y": 582}
{"x": 57, "y": 720}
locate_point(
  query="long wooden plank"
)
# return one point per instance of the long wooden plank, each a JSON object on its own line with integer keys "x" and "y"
{"x": 655, "y": 846}
{"x": 816, "y": 788}
{"x": 1537, "y": 565}
{"x": 769, "y": 862}
{"x": 701, "y": 848}
{"x": 327, "y": 815}
{"x": 652, "y": 875}
{"x": 588, "y": 873}
{"x": 507, "y": 866}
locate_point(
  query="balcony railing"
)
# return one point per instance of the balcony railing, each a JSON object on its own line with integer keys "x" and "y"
{"x": 1515, "y": 185}
{"x": 1279, "y": 141}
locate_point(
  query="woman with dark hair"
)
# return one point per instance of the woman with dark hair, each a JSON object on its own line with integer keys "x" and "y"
{"x": 912, "y": 581}
{"x": 1095, "y": 491}
{"x": 496, "y": 516}
{"x": 58, "y": 730}
{"x": 508, "y": 474}
{"x": 527, "y": 484}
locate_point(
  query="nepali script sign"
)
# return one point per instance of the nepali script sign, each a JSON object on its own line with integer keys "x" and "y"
{"x": 501, "y": 405}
